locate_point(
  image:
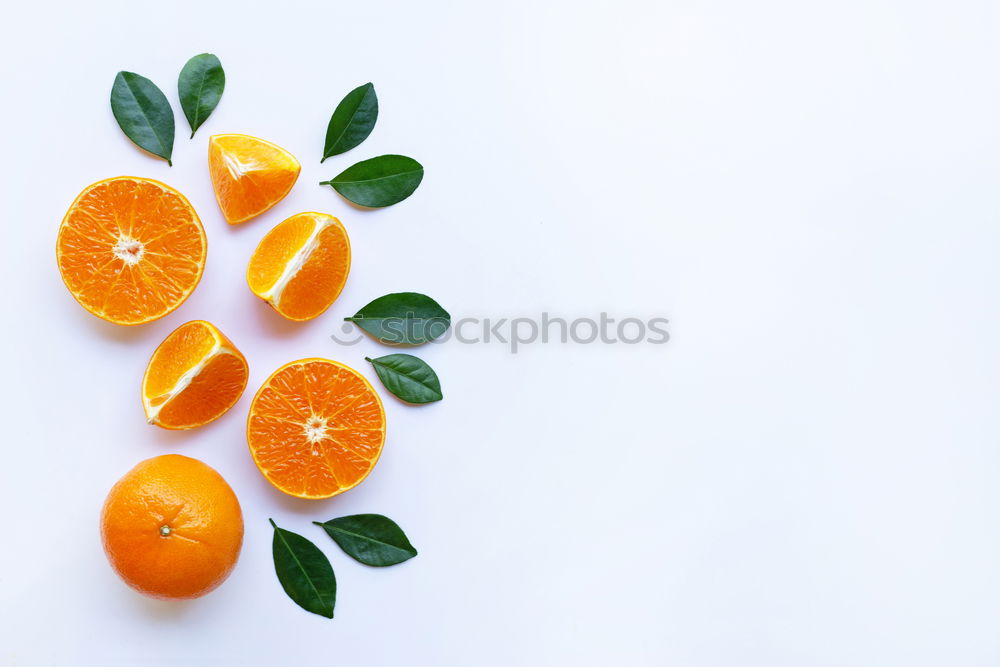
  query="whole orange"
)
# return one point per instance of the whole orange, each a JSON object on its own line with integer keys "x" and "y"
{"x": 172, "y": 528}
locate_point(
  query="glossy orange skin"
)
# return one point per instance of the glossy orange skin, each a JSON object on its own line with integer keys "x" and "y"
{"x": 172, "y": 528}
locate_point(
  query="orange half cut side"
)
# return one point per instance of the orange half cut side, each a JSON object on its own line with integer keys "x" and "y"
{"x": 316, "y": 428}
{"x": 131, "y": 250}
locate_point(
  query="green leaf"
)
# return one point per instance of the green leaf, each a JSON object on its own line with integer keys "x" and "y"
{"x": 403, "y": 318}
{"x": 143, "y": 113}
{"x": 304, "y": 572}
{"x": 352, "y": 121}
{"x": 371, "y": 539}
{"x": 409, "y": 378}
{"x": 381, "y": 181}
{"x": 200, "y": 87}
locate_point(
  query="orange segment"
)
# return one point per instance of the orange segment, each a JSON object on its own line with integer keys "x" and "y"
{"x": 249, "y": 175}
{"x": 301, "y": 265}
{"x": 194, "y": 377}
{"x": 131, "y": 250}
{"x": 316, "y": 428}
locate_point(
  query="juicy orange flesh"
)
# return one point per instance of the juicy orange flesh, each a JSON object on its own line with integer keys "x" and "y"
{"x": 320, "y": 261}
{"x": 130, "y": 250}
{"x": 249, "y": 175}
{"x": 218, "y": 384}
{"x": 320, "y": 280}
{"x": 316, "y": 428}
{"x": 278, "y": 247}
{"x": 213, "y": 391}
{"x": 204, "y": 520}
{"x": 177, "y": 354}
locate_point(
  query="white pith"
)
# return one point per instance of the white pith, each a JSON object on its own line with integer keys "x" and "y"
{"x": 236, "y": 168}
{"x": 153, "y": 412}
{"x": 273, "y": 295}
{"x": 315, "y": 428}
{"x": 128, "y": 249}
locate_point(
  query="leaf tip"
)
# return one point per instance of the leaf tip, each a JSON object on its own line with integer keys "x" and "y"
{"x": 273, "y": 523}
{"x": 368, "y": 359}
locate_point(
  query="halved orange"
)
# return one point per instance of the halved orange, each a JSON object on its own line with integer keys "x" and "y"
{"x": 301, "y": 265}
{"x": 131, "y": 249}
{"x": 316, "y": 428}
{"x": 249, "y": 175}
{"x": 193, "y": 377}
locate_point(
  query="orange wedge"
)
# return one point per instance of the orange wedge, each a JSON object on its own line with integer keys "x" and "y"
{"x": 301, "y": 265}
{"x": 194, "y": 377}
{"x": 316, "y": 428}
{"x": 249, "y": 175}
{"x": 130, "y": 249}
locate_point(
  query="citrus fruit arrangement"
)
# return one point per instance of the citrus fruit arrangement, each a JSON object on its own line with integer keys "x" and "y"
{"x": 131, "y": 250}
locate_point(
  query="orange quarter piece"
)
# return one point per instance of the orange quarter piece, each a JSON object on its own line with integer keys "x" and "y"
{"x": 300, "y": 267}
{"x": 193, "y": 378}
{"x": 316, "y": 428}
{"x": 249, "y": 175}
{"x": 130, "y": 250}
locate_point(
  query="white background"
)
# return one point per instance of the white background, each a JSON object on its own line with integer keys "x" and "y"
{"x": 805, "y": 475}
